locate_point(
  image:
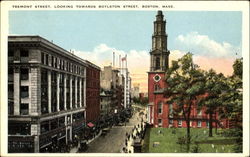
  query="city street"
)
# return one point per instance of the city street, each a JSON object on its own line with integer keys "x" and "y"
{"x": 115, "y": 138}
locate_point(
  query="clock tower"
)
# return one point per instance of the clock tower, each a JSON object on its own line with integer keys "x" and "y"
{"x": 159, "y": 62}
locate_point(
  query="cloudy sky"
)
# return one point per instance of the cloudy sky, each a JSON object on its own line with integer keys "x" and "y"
{"x": 213, "y": 37}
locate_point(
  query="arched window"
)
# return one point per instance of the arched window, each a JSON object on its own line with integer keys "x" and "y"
{"x": 157, "y": 63}
{"x": 157, "y": 87}
{"x": 160, "y": 105}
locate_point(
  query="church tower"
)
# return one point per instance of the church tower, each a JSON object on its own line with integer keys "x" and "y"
{"x": 159, "y": 55}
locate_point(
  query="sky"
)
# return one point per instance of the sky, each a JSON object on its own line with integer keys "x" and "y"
{"x": 213, "y": 37}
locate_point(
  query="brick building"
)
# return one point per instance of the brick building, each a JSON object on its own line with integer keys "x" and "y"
{"x": 92, "y": 93}
{"x": 46, "y": 94}
{"x": 160, "y": 114}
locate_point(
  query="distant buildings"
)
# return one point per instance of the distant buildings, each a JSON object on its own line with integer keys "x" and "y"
{"x": 115, "y": 88}
{"x": 112, "y": 90}
{"x": 135, "y": 90}
{"x": 51, "y": 95}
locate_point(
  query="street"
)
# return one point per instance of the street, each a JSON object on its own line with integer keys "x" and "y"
{"x": 114, "y": 141}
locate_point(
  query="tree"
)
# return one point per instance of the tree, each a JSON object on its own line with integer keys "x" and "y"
{"x": 233, "y": 103}
{"x": 185, "y": 83}
{"x": 214, "y": 87}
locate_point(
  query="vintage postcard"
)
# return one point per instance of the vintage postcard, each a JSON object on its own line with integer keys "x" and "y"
{"x": 122, "y": 78}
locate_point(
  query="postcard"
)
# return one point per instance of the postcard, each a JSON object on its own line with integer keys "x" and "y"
{"x": 125, "y": 78}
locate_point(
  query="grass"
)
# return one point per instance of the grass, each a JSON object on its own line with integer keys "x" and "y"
{"x": 165, "y": 142}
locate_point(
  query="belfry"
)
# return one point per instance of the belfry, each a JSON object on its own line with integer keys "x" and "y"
{"x": 159, "y": 62}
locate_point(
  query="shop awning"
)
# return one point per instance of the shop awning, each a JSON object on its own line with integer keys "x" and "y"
{"x": 90, "y": 124}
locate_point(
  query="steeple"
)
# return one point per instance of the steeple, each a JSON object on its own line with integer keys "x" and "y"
{"x": 159, "y": 53}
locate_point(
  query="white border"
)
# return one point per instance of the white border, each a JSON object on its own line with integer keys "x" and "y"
{"x": 177, "y": 6}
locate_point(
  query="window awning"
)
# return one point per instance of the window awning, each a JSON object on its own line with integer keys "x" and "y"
{"x": 90, "y": 124}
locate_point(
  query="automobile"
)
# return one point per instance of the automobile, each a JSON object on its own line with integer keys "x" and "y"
{"x": 83, "y": 146}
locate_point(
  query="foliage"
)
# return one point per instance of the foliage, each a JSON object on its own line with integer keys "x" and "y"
{"x": 185, "y": 83}
{"x": 238, "y": 67}
{"x": 214, "y": 86}
{"x": 233, "y": 103}
{"x": 142, "y": 101}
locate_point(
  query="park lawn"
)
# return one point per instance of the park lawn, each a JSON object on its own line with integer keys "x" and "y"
{"x": 166, "y": 141}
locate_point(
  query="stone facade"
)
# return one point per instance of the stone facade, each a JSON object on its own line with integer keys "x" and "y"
{"x": 112, "y": 93}
{"x": 47, "y": 94}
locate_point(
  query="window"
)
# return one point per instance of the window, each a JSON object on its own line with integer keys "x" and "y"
{"x": 24, "y": 91}
{"x": 159, "y": 122}
{"x": 42, "y": 57}
{"x": 207, "y": 124}
{"x": 10, "y": 107}
{"x": 52, "y": 61}
{"x": 199, "y": 112}
{"x": 56, "y": 63}
{"x": 47, "y": 59}
{"x": 54, "y": 124}
{"x": 10, "y": 91}
{"x": 171, "y": 109}
{"x": 157, "y": 63}
{"x": 44, "y": 127}
{"x": 24, "y": 109}
{"x": 199, "y": 123}
{"x": 179, "y": 122}
{"x": 61, "y": 121}
{"x": 24, "y": 73}
{"x": 190, "y": 123}
{"x": 157, "y": 87}
{"x": 11, "y": 53}
{"x": 10, "y": 74}
{"x": 19, "y": 128}
{"x": 171, "y": 121}
{"x": 24, "y": 53}
{"x": 160, "y": 107}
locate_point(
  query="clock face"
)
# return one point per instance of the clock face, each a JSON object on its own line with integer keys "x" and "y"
{"x": 157, "y": 78}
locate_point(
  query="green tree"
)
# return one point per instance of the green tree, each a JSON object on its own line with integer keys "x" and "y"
{"x": 233, "y": 103}
{"x": 185, "y": 83}
{"x": 214, "y": 87}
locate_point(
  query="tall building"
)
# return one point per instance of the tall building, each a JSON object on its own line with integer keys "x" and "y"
{"x": 46, "y": 94}
{"x": 112, "y": 84}
{"x": 160, "y": 114}
{"x": 127, "y": 83}
{"x": 135, "y": 90}
{"x": 92, "y": 92}
{"x": 159, "y": 55}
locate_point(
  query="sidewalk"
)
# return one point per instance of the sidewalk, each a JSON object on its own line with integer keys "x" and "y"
{"x": 130, "y": 140}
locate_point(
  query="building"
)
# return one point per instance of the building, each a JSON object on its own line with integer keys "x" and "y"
{"x": 92, "y": 92}
{"x": 46, "y": 95}
{"x": 135, "y": 90}
{"x": 127, "y": 84}
{"x": 105, "y": 102}
{"x": 112, "y": 84}
{"x": 160, "y": 114}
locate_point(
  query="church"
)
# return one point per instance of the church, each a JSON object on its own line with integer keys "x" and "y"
{"x": 160, "y": 114}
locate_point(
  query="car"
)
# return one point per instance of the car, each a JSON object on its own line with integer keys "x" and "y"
{"x": 83, "y": 146}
